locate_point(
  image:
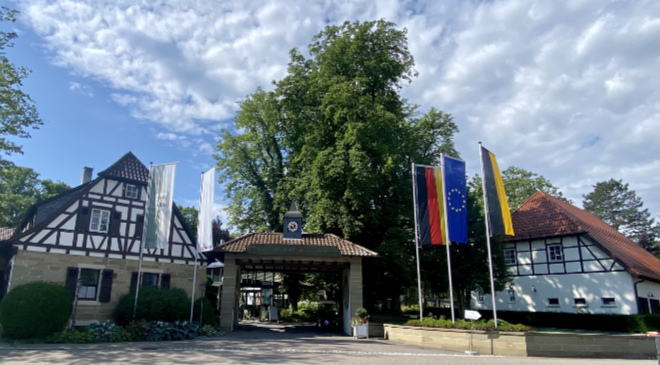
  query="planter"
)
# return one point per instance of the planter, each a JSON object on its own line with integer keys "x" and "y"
{"x": 361, "y": 330}
{"x": 526, "y": 344}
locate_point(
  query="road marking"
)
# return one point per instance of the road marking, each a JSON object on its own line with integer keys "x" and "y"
{"x": 339, "y": 352}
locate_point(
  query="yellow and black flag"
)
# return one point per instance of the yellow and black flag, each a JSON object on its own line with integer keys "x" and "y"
{"x": 496, "y": 204}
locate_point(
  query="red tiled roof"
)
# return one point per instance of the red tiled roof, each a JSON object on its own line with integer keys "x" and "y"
{"x": 127, "y": 167}
{"x": 543, "y": 215}
{"x": 347, "y": 248}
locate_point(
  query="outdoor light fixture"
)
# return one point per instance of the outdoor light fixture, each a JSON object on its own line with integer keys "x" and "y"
{"x": 533, "y": 289}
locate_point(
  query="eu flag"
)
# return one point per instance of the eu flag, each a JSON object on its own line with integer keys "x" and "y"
{"x": 455, "y": 198}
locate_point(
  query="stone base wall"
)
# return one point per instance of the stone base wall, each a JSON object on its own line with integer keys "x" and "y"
{"x": 52, "y": 267}
{"x": 526, "y": 344}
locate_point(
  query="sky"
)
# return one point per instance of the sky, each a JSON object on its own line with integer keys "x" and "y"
{"x": 569, "y": 90}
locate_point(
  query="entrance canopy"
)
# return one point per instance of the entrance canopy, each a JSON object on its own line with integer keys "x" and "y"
{"x": 309, "y": 253}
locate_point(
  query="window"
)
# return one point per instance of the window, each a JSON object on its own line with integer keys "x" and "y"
{"x": 510, "y": 256}
{"x": 480, "y": 296}
{"x": 555, "y": 253}
{"x": 215, "y": 273}
{"x": 580, "y": 302}
{"x": 131, "y": 191}
{"x": 89, "y": 283}
{"x": 609, "y": 301}
{"x": 149, "y": 279}
{"x": 512, "y": 296}
{"x": 553, "y": 302}
{"x": 100, "y": 221}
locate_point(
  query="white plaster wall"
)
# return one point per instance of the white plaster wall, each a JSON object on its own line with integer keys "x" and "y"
{"x": 591, "y": 286}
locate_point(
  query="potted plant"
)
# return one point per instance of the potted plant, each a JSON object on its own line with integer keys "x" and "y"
{"x": 360, "y": 323}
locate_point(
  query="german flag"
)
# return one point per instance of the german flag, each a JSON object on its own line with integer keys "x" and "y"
{"x": 499, "y": 216}
{"x": 430, "y": 205}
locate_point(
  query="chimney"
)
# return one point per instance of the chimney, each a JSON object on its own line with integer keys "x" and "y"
{"x": 87, "y": 175}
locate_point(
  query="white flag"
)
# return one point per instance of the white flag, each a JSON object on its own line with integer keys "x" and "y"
{"x": 159, "y": 206}
{"x": 205, "y": 218}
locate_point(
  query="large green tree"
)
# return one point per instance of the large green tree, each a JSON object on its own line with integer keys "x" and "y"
{"x": 17, "y": 110}
{"x": 20, "y": 187}
{"x": 613, "y": 202}
{"x": 336, "y": 136}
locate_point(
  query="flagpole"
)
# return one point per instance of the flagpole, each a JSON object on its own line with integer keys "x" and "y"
{"x": 144, "y": 236}
{"x": 444, "y": 200}
{"x": 192, "y": 299}
{"x": 487, "y": 221}
{"x": 419, "y": 276}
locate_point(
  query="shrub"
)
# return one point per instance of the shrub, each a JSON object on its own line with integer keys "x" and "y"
{"x": 154, "y": 304}
{"x": 164, "y": 331}
{"x": 208, "y": 316}
{"x": 442, "y": 322}
{"x": 35, "y": 310}
{"x": 209, "y": 331}
{"x": 73, "y": 336}
{"x": 107, "y": 332}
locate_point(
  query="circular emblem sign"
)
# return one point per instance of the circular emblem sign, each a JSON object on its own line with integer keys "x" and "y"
{"x": 292, "y": 227}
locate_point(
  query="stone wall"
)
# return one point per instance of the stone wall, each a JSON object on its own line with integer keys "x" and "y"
{"x": 31, "y": 266}
{"x": 526, "y": 344}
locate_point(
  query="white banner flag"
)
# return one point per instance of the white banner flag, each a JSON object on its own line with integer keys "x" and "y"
{"x": 159, "y": 206}
{"x": 205, "y": 218}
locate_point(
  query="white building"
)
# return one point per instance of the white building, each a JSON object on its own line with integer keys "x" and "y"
{"x": 564, "y": 259}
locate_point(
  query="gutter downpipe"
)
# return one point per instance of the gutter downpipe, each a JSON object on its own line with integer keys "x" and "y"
{"x": 636, "y": 295}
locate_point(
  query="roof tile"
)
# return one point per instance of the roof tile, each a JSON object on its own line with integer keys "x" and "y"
{"x": 127, "y": 167}
{"x": 543, "y": 215}
{"x": 347, "y": 248}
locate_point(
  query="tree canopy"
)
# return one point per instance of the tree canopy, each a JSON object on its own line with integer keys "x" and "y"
{"x": 615, "y": 204}
{"x": 17, "y": 110}
{"x": 20, "y": 187}
{"x": 336, "y": 136}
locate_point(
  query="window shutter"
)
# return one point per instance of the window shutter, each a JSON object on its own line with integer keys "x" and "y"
{"x": 82, "y": 222}
{"x": 139, "y": 225}
{"x": 165, "y": 281}
{"x": 134, "y": 280}
{"x": 115, "y": 223}
{"x": 72, "y": 280}
{"x": 106, "y": 286}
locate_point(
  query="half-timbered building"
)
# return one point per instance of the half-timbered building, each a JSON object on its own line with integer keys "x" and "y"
{"x": 564, "y": 259}
{"x": 88, "y": 238}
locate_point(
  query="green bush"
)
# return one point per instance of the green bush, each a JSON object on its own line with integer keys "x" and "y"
{"x": 73, "y": 336}
{"x": 35, "y": 310}
{"x": 164, "y": 331}
{"x": 154, "y": 304}
{"x": 442, "y": 322}
{"x": 209, "y": 331}
{"x": 208, "y": 316}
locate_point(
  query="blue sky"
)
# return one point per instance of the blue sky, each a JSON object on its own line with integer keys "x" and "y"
{"x": 569, "y": 91}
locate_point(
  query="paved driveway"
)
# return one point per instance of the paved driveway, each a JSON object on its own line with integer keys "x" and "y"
{"x": 270, "y": 344}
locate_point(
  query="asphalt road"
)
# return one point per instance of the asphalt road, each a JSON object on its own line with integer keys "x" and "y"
{"x": 269, "y": 344}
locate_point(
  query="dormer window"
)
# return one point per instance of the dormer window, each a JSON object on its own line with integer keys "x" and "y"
{"x": 131, "y": 191}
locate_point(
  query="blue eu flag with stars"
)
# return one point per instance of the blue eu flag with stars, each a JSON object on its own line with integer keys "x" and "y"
{"x": 455, "y": 198}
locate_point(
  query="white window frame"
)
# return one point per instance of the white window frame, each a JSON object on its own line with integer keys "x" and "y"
{"x": 83, "y": 290}
{"x": 510, "y": 256}
{"x": 608, "y": 299}
{"x": 579, "y": 302}
{"x": 135, "y": 192}
{"x": 102, "y": 224}
{"x": 511, "y": 295}
{"x": 480, "y": 296}
{"x": 556, "y": 256}
{"x": 550, "y": 304}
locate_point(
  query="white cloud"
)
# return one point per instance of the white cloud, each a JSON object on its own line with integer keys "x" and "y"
{"x": 565, "y": 89}
{"x": 83, "y": 89}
